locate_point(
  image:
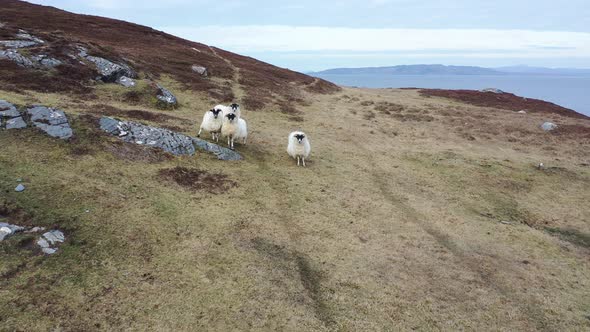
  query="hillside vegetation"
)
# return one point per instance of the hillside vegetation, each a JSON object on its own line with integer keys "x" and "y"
{"x": 417, "y": 211}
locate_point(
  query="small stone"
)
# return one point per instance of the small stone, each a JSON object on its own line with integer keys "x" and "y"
{"x": 5, "y": 230}
{"x": 54, "y": 236}
{"x": 16, "y": 123}
{"x": 126, "y": 81}
{"x": 19, "y": 188}
{"x": 506, "y": 222}
{"x": 19, "y": 180}
{"x": 493, "y": 90}
{"x": 548, "y": 126}
{"x": 199, "y": 70}
{"x": 49, "y": 251}
{"x": 521, "y": 112}
{"x": 41, "y": 242}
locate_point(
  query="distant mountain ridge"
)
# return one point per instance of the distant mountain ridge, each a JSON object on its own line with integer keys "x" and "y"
{"x": 438, "y": 69}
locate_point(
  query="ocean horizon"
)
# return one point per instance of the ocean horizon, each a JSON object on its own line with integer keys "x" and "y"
{"x": 571, "y": 91}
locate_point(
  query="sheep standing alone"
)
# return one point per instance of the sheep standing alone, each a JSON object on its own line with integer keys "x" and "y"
{"x": 212, "y": 121}
{"x": 232, "y": 128}
{"x": 299, "y": 147}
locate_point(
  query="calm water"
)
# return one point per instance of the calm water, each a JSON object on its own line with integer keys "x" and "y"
{"x": 568, "y": 91}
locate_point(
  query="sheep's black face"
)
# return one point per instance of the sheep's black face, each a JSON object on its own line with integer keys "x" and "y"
{"x": 231, "y": 117}
{"x": 300, "y": 137}
{"x": 234, "y": 107}
{"x": 215, "y": 113}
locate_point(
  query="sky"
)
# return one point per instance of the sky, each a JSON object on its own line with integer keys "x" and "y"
{"x": 311, "y": 35}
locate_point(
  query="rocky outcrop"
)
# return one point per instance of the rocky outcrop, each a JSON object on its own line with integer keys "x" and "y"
{"x": 175, "y": 143}
{"x": 110, "y": 72}
{"x": 11, "y": 52}
{"x": 52, "y": 121}
{"x": 48, "y": 242}
{"x": 165, "y": 98}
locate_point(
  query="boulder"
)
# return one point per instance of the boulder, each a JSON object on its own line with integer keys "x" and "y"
{"x": 126, "y": 81}
{"x": 173, "y": 142}
{"x": 109, "y": 71}
{"x": 548, "y": 126}
{"x": 165, "y": 98}
{"x": 199, "y": 70}
{"x": 52, "y": 121}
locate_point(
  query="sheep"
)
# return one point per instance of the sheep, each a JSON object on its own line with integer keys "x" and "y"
{"x": 299, "y": 147}
{"x": 231, "y": 128}
{"x": 242, "y": 130}
{"x": 212, "y": 122}
{"x": 233, "y": 108}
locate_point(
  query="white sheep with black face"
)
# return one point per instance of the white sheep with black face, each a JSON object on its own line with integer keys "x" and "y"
{"x": 233, "y": 108}
{"x": 234, "y": 128}
{"x": 299, "y": 147}
{"x": 212, "y": 121}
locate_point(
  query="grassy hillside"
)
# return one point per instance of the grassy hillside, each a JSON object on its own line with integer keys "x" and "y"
{"x": 415, "y": 212}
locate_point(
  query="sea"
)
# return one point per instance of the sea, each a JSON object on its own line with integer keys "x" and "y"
{"x": 572, "y": 91}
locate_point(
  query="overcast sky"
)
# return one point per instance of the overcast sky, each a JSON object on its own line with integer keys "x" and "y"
{"x": 312, "y": 35}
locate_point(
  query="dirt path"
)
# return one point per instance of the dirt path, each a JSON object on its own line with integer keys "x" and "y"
{"x": 237, "y": 89}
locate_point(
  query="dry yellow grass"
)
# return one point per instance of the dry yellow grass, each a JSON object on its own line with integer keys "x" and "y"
{"x": 394, "y": 225}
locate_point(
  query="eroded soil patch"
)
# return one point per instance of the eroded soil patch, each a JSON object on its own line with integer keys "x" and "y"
{"x": 198, "y": 180}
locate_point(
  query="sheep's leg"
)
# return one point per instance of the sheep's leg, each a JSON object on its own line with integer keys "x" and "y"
{"x": 303, "y": 160}
{"x": 244, "y": 141}
{"x": 232, "y": 142}
{"x": 297, "y": 160}
{"x": 199, "y": 134}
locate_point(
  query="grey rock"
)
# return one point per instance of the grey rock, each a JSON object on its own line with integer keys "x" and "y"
{"x": 493, "y": 90}
{"x": 165, "y": 98}
{"x": 16, "y": 123}
{"x": 17, "y": 43}
{"x": 548, "y": 126}
{"x": 199, "y": 70}
{"x": 55, "y": 236}
{"x": 19, "y": 188}
{"x": 110, "y": 71}
{"x": 54, "y": 122}
{"x": 49, "y": 240}
{"x": 8, "y": 110}
{"x": 41, "y": 242}
{"x": 22, "y": 34}
{"x": 126, "y": 81}
{"x": 49, "y": 251}
{"x": 45, "y": 61}
{"x": 17, "y": 58}
{"x": 7, "y": 230}
{"x": 175, "y": 143}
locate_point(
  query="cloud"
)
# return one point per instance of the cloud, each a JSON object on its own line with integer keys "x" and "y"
{"x": 280, "y": 38}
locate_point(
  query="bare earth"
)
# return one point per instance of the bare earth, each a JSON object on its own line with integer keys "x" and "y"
{"x": 414, "y": 212}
